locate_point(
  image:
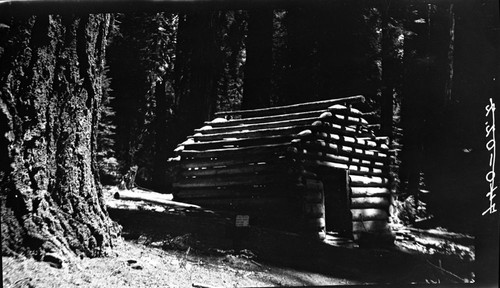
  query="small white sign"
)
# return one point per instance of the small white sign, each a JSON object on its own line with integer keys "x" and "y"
{"x": 242, "y": 220}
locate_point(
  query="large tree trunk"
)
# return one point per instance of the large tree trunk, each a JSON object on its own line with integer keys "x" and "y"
{"x": 197, "y": 69}
{"x": 51, "y": 200}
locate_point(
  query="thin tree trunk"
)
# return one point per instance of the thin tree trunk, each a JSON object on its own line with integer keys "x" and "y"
{"x": 51, "y": 199}
{"x": 161, "y": 136}
{"x": 416, "y": 93}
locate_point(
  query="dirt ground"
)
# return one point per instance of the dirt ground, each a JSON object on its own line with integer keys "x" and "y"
{"x": 135, "y": 264}
{"x": 163, "y": 246}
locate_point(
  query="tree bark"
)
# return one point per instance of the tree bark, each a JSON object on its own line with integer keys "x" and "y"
{"x": 51, "y": 199}
{"x": 161, "y": 136}
{"x": 197, "y": 70}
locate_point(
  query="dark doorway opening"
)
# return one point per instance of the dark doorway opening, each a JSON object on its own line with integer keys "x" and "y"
{"x": 338, "y": 217}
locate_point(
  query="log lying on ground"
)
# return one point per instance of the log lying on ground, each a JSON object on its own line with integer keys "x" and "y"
{"x": 457, "y": 237}
{"x": 151, "y": 197}
{"x": 293, "y": 108}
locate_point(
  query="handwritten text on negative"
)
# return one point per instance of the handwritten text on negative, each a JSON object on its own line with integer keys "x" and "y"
{"x": 491, "y": 146}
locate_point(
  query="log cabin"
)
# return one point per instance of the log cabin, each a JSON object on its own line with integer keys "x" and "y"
{"x": 314, "y": 168}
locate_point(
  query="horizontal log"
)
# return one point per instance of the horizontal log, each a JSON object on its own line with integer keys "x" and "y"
{"x": 339, "y": 129}
{"x": 278, "y": 149}
{"x": 280, "y": 131}
{"x": 229, "y": 143}
{"x": 251, "y": 169}
{"x": 270, "y": 205}
{"x": 266, "y": 122}
{"x": 370, "y": 202}
{"x": 355, "y": 120}
{"x": 343, "y": 150}
{"x": 369, "y": 214}
{"x": 368, "y": 179}
{"x": 233, "y": 180}
{"x": 236, "y": 160}
{"x": 318, "y": 105}
{"x": 370, "y": 226}
{"x": 355, "y": 167}
{"x": 155, "y": 198}
{"x": 286, "y": 129}
{"x": 234, "y": 192}
{"x": 358, "y": 140}
{"x": 347, "y": 141}
{"x": 369, "y": 191}
{"x": 216, "y": 123}
{"x": 258, "y": 126}
{"x": 374, "y": 185}
{"x": 313, "y": 164}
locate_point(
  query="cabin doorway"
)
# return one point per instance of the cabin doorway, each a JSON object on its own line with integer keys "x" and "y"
{"x": 338, "y": 217}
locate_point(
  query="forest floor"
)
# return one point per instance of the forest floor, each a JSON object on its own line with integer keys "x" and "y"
{"x": 164, "y": 246}
{"x": 141, "y": 264}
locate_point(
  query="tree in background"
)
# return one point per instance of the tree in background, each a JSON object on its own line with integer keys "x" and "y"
{"x": 230, "y": 86}
{"x": 259, "y": 60}
{"x": 51, "y": 78}
{"x": 142, "y": 59}
{"x": 198, "y": 68}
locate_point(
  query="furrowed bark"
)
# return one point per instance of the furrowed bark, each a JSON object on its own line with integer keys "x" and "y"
{"x": 50, "y": 97}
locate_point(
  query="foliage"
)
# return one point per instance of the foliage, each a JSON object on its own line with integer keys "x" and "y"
{"x": 141, "y": 56}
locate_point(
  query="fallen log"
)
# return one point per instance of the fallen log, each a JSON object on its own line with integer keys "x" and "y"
{"x": 151, "y": 197}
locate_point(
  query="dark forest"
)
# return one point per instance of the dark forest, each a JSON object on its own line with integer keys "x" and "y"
{"x": 88, "y": 99}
